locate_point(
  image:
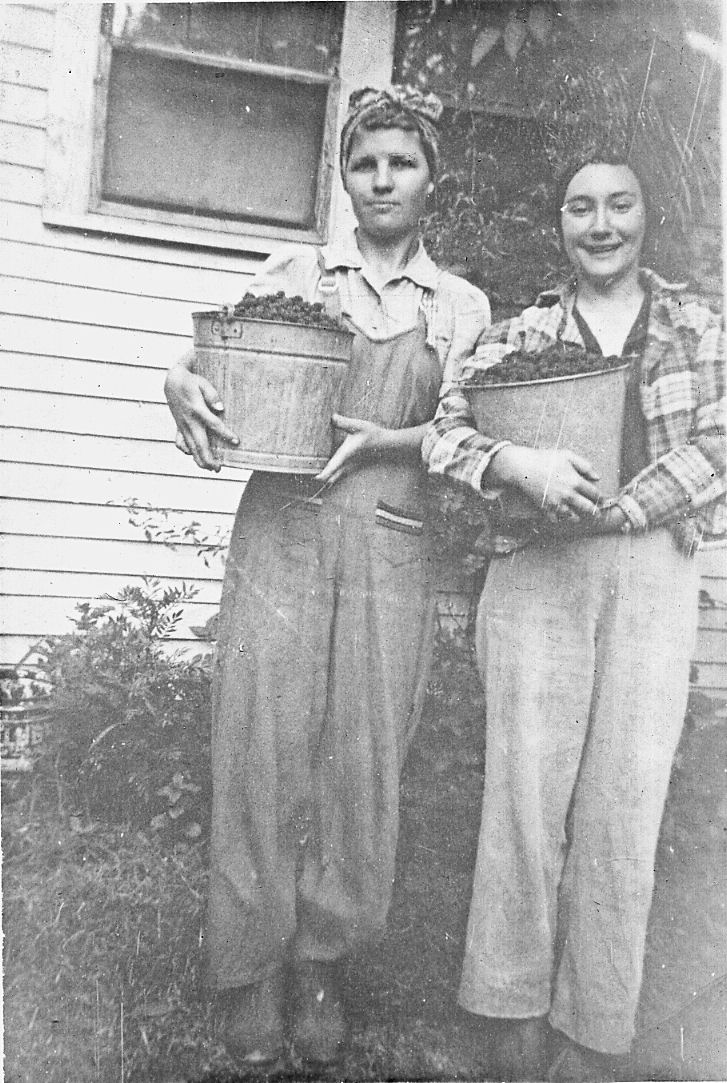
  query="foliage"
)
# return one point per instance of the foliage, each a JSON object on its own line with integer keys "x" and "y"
{"x": 129, "y": 739}
{"x": 528, "y": 86}
{"x": 162, "y": 526}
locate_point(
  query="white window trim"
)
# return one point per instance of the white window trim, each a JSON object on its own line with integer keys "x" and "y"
{"x": 366, "y": 59}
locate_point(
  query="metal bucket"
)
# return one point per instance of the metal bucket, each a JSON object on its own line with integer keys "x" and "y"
{"x": 279, "y": 383}
{"x": 583, "y": 413}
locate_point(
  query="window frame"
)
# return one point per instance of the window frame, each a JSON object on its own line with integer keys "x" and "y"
{"x": 77, "y": 115}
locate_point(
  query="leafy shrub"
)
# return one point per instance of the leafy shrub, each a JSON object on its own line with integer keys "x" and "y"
{"x": 130, "y": 735}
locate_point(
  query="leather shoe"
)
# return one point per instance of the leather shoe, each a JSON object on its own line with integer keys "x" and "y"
{"x": 253, "y": 1030}
{"x": 319, "y": 1023}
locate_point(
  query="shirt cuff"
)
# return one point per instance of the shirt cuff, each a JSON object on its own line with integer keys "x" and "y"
{"x": 635, "y": 518}
{"x": 491, "y": 493}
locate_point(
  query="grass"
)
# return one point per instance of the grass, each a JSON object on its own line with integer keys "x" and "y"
{"x": 103, "y": 928}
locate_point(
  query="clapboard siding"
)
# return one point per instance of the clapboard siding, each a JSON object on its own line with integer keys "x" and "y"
{"x": 110, "y": 523}
{"x": 104, "y": 453}
{"x": 95, "y": 307}
{"x": 26, "y": 66}
{"x": 22, "y": 223}
{"x": 112, "y": 345}
{"x": 67, "y": 413}
{"x": 23, "y": 105}
{"x": 20, "y": 185}
{"x": 28, "y": 25}
{"x": 119, "y": 274}
{"x": 22, "y": 144}
{"x": 87, "y": 586}
{"x": 90, "y": 555}
{"x": 88, "y": 485}
{"x": 74, "y": 376}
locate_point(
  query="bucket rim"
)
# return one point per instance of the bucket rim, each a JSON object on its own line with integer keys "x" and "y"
{"x": 470, "y": 385}
{"x": 220, "y": 314}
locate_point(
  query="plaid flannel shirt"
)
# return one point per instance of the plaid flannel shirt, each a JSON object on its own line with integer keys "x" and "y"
{"x": 682, "y": 392}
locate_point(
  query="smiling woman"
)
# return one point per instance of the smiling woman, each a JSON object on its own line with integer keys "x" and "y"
{"x": 603, "y": 594}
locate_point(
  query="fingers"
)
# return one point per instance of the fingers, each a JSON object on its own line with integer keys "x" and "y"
{"x": 210, "y": 395}
{"x": 350, "y": 424}
{"x": 334, "y": 468}
{"x": 181, "y": 444}
{"x": 583, "y": 466}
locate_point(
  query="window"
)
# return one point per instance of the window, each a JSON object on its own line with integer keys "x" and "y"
{"x": 205, "y": 123}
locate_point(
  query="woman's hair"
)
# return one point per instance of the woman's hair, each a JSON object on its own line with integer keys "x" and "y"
{"x": 394, "y": 107}
{"x": 607, "y": 156}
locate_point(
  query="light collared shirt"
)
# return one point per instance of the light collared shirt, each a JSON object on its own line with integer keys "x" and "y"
{"x": 456, "y": 313}
{"x": 682, "y": 397}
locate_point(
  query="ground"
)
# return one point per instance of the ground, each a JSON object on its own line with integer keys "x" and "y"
{"x": 102, "y": 937}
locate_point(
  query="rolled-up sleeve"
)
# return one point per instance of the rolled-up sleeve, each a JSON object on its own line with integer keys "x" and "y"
{"x": 690, "y": 475}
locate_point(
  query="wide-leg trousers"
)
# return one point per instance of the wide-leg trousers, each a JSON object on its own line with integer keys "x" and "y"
{"x": 584, "y": 648}
{"x": 323, "y": 652}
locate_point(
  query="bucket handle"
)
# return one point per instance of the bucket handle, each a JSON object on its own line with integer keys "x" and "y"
{"x": 227, "y": 327}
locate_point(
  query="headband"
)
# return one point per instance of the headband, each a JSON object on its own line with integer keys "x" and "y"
{"x": 403, "y": 105}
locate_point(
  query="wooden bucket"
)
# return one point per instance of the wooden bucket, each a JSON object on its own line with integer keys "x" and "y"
{"x": 583, "y": 413}
{"x": 279, "y": 383}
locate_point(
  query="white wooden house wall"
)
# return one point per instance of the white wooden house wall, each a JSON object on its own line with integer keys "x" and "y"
{"x": 88, "y": 325}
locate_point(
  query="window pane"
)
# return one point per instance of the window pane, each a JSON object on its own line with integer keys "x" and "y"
{"x": 296, "y": 35}
{"x": 186, "y": 137}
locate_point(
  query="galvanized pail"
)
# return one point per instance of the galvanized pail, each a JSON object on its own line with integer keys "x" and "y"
{"x": 582, "y": 413}
{"x": 279, "y": 383}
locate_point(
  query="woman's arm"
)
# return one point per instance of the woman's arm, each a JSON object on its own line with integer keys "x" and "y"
{"x": 366, "y": 442}
{"x": 194, "y": 403}
{"x": 196, "y": 408}
{"x": 452, "y": 447}
{"x": 691, "y": 475}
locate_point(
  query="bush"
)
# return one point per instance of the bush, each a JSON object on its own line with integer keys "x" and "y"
{"x": 129, "y": 741}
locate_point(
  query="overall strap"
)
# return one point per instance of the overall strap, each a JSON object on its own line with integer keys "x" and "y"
{"x": 328, "y": 287}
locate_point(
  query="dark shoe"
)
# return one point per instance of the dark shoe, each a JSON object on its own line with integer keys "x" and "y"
{"x": 518, "y": 1048}
{"x": 577, "y": 1064}
{"x": 319, "y": 1024}
{"x": 253, "y": 1021}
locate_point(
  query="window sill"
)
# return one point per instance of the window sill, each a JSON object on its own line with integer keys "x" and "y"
{"x": 255, "y": 238}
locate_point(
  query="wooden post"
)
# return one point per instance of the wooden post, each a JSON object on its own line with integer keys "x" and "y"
{"x": 367, "y": 59}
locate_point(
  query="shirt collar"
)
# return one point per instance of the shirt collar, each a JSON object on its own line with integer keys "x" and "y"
{"x": 344, "y": 252}
{"x": 566, "y": 292}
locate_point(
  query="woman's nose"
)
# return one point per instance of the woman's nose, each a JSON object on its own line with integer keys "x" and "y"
{"x": 382, "y": 178}
{"x": 600, "y": 222}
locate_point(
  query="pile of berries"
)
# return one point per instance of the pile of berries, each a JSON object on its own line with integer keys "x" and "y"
{"x": 557, "y": 360}
{"x": 284, "y": 309}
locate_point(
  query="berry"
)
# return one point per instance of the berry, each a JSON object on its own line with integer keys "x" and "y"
{"x": 559, "y": 359}
{"x": 283, "y": 309}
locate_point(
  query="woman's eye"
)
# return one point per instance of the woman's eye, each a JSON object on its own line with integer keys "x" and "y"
{"x": 578, "y": 209}
{"x": 623, "y": 208}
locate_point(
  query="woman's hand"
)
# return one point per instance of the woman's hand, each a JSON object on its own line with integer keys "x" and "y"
{"x": 196, "y": 406}
{"x": 364, "y": 442}
{"x": 562, "y": 484}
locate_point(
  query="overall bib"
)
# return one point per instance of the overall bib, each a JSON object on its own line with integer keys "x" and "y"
{"x": 324, "y": 647}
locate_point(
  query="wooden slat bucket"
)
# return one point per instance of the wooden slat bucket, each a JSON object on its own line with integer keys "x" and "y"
{"x": 279, "y": 383}
{"x": 583, "y": 413}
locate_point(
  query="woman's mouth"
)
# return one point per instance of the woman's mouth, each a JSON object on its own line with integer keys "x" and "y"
{"x": 602, "y": 249}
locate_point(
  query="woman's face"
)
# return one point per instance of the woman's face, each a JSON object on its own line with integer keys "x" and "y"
{"x": 387, "y": 178}
{"x": 603, "y": 220}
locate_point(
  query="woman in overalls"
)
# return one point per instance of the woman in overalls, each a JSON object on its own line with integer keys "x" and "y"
{"x": 326, "y": 620}
{"x": 585, "y": 632}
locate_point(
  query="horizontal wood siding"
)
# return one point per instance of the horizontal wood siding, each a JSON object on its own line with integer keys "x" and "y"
{"x": 88, "y": 324}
